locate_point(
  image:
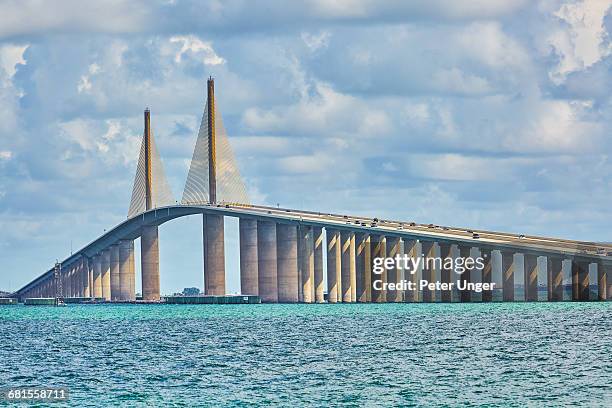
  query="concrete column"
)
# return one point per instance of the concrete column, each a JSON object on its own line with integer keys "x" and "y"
{"x": 508, "y": 275}
{"x": 73, "y": 280}
{"x": 97, "y": 276}
{"x": 214, "y": 255}
{"x": 580, "y": 280}
{"x": 132, "y": 276}
{"x": 429, "y": 273}
{"x": 249, "y": 280}
{"x": 287, "y": 263}
{"x": 85, "y": 276}
{"x": 394, "y": 275}
{"x": 412, "y": 249}
{"x": 531, "y": 277}
{"x": 347, "y": 264}
{"x": 447, "y": 273}
{"x": 465, "y": 295}
{"x": 307, "y": 264}
{"x": 266, "y": 261}
{"x": 554, "y": 267}
{"x": 127, "y": 278}
{"x": 363, "y": 273}
{"x": 602, "y": 282}
{"x": 378, "y": 249}
{"x": 105, "y": 261}
{"x": 487, "y": 273}
{"x": 90, "y": 273}
{"x": 149, "y": 262}
{"x": 333, "y": 266}
{"x": 318, "y": 243}
{"x": 115, "y": 282}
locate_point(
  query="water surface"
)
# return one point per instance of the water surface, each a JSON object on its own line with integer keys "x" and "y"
{"x": 543, "y": 354}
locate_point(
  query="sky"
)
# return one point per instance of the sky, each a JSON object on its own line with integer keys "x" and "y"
{"x": 492, "y": 114}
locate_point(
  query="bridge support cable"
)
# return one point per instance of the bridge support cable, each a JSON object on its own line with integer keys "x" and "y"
{"x": 150, "y": 177}
{"x": 213, "y": 157}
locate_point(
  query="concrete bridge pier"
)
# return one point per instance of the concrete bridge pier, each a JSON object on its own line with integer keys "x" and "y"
{"x": 554, "y": 269}
{"x": 508, "y": 275}
{"x": 487, "y": 273}
{"x": 105, "y": 265}
{"x": 531, "y": 277}
{"x": 412, "y": 249}
{"x": 465, "y": 295}
{"x": 378, "y": 249}
{"x": 249, "y": 280}
{"x": 429, "y": 273}
{"x": 97, "y": 276}
{"x": 85, "y": 277}
{"x": 115, "y": 284}
{"x": 287, "y": 263}
{"x": 266, "y": 261}
{"x": 580, "y": 280}
{"x": 149, "y": 262}
{"x": 446, "y": 274}
{"x": 214, "y": 255}
{"x": 363, "y": 273}
{"x": 394, "y": 275}
{"x": 347, "y": 265}
{"x": 318, "y": 243}
{"x": 602, "y": 281}
{"x": 127, "y": 276}
{"x": 334, "y": 260}
{"x": 306, "y": 260}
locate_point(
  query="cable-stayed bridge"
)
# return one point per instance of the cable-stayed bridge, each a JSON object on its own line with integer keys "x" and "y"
{"x": 282, "y": 250}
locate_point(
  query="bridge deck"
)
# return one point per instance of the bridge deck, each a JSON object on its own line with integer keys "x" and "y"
{"x": 528, "y": 244}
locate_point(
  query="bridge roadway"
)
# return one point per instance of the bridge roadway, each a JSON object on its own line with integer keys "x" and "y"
{"x": 539, "y": 246}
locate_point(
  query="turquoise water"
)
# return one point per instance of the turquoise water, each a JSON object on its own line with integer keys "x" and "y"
{"x": 552, "y": 354}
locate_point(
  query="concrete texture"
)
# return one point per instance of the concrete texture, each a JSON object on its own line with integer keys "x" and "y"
{"x": 97, "y": 276}
{"x": 447, "y": 275}
{"x": 487, "y": 272}
{"x": 347, "y": 264}
{"x": 319, "y": 243}
{"x": 307, "y": 264}
{"x": 149, "y": 261}
{"x": 249, "y": 280}
{"x": 429, "y": 273}
{"x": 105, "y": 261}
{"x": 334, "y": 259}
{"x": 554, "y": 266}
{"x": 214, "y": 255}
{"x": 126, "y": 271}
{"x": 531, "y": 278}
{"x": 412, "y": 248}
{"x": 115, "y": 284}
{"x": 394, "y": 275}
{"x": 508, "y": 275}
{"x": 266, "y": 261}
{"x": 378, "y": 249}
{"x": 465, "y": 295}
{"x": 362, "y": 267}
{"x": 287, "y": 263}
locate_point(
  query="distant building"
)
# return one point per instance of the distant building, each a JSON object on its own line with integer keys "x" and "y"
{"x": 4, "y": 294}
{"x": 191, "y": 292}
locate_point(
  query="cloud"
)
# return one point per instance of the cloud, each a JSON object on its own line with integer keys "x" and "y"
{"x": 11, "y": 55}
{"x": 491, "y": 114}
{"x": 580, "y": 42}
{"x": 316, "y": 41}
{"x": 195, "y": 47}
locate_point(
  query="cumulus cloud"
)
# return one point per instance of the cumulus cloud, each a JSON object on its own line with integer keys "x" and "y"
{"x": 492, "y": 114}
{"x": 580, "y": 42}
{"x": 195, "y": 47}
